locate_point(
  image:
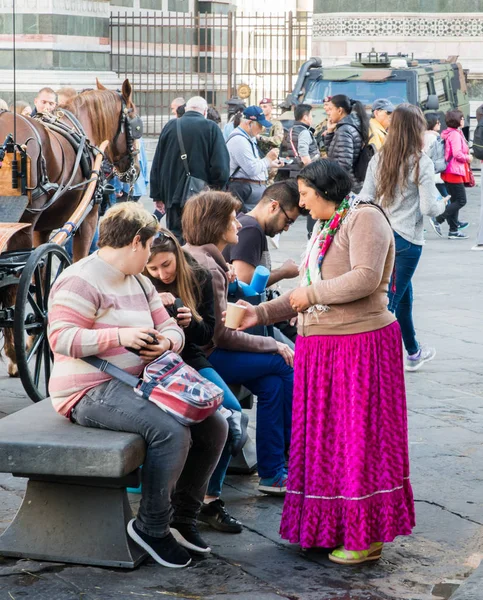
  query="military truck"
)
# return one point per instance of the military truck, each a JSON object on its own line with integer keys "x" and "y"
{"x": 434, "y": 85}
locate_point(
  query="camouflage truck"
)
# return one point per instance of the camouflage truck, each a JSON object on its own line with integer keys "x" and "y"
{"x": 434, "y": 85}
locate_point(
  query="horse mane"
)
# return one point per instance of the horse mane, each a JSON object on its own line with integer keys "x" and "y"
{"x": 102, "y": 108}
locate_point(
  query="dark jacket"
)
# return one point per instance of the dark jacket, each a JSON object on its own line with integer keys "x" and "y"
{"x": 207, "y": 157}
{"x": 344, "y": 145}
{"x": 198, "y": 333}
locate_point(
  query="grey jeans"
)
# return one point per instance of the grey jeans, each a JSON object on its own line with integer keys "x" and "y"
{"x": 179, "y": 460}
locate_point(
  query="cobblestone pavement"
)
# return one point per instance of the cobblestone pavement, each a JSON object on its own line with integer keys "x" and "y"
{"x": 445, "y": 401}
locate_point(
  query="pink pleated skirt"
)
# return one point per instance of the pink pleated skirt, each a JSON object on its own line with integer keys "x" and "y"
{"x": 348, "y": 480}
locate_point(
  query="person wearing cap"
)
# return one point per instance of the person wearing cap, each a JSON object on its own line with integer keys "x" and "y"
{"x": 270, "y": 138}
{"x": 248, "y": 171}
{"x": 382, "y": 110}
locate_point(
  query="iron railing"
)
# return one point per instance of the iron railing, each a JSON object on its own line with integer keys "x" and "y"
{"x": 210, "y": 55}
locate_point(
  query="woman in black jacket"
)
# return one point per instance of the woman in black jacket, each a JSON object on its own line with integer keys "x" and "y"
{"x": 347, "y": 133}
{"x": 177, "y": 276}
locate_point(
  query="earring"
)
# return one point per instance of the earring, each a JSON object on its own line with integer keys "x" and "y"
{"x": 134, "y": 249}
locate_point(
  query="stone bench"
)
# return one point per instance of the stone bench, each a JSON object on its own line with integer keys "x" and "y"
{"x": 75, "y": 507}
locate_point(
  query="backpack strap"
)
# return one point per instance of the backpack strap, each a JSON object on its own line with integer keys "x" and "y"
{"x": 184, "y": 156}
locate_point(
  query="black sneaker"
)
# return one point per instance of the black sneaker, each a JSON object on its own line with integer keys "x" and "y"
{"x": 186, "y": 534}
{"x": 462, "y": 225}
{"x": 457, "y": 235}
{"x": 215, "y": 515}
{"x": 166, "y": 551}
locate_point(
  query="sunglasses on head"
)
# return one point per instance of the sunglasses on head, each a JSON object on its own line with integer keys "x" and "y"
{"x": 154, "y": 225}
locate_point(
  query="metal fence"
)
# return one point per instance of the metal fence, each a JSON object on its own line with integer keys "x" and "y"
{"x": 210, "y": 55}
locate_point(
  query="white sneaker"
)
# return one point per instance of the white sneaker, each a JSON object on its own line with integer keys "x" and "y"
{"x": 478, "y": 248}
{"x": 426, "y": 353}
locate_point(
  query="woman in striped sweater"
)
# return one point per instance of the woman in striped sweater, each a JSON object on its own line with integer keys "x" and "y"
{"x": 102, "y": 306}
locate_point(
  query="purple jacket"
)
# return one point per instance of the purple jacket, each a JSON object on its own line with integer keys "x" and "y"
{"x": 456, "y": 151}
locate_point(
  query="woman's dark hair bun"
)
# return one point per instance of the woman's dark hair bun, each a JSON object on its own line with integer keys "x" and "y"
{"x": 327, "y": 178}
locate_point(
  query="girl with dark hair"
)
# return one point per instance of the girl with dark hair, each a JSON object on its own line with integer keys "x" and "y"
{"x": 401, "y": 179}
{"x": 435, "y": 148}
{"x": 348, "y": 483}
{"x": 347, "y": 133}
{"x": 261, "y": 364}
{"x": 456, "y": 174}
{"x": 176, "y": 275}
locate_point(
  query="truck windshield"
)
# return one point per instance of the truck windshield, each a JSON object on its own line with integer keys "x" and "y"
{"x": 364, "y": 91}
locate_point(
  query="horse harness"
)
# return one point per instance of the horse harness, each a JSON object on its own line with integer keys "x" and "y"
{"x": 85, "y": 151}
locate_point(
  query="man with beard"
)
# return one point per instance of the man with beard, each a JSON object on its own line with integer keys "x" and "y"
{"x": 277, "y": 210}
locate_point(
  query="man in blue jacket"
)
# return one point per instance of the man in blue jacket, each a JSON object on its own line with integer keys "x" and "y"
{"x": 206, "y": 154}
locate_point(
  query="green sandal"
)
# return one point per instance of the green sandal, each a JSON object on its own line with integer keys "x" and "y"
{"x": 341, "y": 556}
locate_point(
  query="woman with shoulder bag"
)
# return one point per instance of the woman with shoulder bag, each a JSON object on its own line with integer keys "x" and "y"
{"x": 347, "y": 133}
{"x": 186, "y": 291}
{"x": 102, "y": 306}
{"x": 456, "y": 174}
{"x": 348, "y": 479}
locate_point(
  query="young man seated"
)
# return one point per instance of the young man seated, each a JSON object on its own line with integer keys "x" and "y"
{"x": 277, "y": 210}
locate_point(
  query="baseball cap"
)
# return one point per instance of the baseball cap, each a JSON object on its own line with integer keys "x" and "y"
{"x": 255, "y": 113}
{"x": 383, "y": 104}
{"x": 266, "y": 101}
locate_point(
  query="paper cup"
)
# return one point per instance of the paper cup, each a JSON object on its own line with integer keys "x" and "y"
{"x": 234, "y": 315}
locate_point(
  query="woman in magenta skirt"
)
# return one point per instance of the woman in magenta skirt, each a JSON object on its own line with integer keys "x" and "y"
{"x": 348, "y": 481}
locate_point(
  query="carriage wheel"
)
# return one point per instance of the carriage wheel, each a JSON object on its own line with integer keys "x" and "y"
{"x": 34, "y": 357}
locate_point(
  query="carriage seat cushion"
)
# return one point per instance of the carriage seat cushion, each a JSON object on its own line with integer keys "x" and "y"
{"x": 38, "y": 441}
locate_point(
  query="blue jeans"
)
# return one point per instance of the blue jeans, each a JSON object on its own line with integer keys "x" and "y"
{"x": 229, "y": 401}
{"x": 271, "y": 380}
{"x": 401, "y": 301}
{"x": 93, "y": 248}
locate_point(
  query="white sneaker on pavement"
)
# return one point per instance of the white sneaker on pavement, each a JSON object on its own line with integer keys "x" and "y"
{"x": 425, "y": 354}
{"x": 478, "y": 248}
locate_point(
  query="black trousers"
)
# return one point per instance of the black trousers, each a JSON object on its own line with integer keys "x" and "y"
{"x": 173, "y": 221}
{"x": 457, "y": 191}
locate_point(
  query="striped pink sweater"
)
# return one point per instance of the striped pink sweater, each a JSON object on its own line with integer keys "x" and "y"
{"x": 88, "y": 304}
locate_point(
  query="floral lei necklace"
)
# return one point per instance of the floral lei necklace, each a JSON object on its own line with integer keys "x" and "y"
{"x": 327, "y": 231}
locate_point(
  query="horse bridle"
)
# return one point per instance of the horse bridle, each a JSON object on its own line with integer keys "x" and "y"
{"x": 133, "y": 128}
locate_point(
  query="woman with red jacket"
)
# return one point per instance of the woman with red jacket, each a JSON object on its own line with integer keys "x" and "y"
{"x": 457, "y": 156}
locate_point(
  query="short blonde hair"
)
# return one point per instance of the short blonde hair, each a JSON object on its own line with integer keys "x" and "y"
{"x": 122, "y": 222}
{"x": 3, "y": 105}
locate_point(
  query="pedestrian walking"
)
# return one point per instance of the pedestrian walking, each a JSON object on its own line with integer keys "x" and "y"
{"x": 456, "y": 174}
{"x": 176, "y": 104}
{"x": 347, "y": 133}
{"x": 348, "y": 480}
{"x": 434, "y": 147}
{"x": 382, "y": 110}
{"x": 248, "y": 171}
{"x": 207, "y": 158}
{"x": 401, "y": 179}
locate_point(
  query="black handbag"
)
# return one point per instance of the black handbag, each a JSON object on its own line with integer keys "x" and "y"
{"x": 190, "y": 185}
